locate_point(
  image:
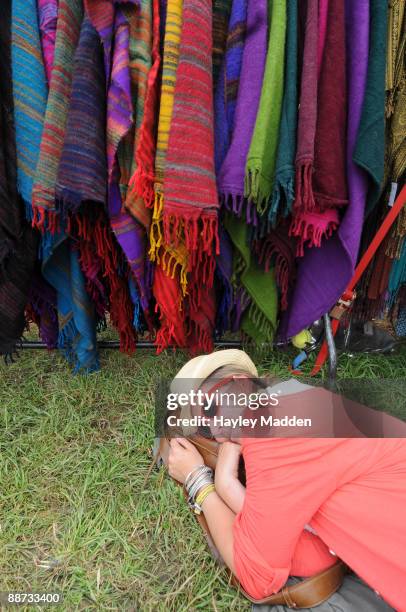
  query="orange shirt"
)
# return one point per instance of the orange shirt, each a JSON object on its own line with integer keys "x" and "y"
{"x": 350, "y": 492}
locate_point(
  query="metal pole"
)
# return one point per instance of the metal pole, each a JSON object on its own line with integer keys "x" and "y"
{"x": 114, "y": 344}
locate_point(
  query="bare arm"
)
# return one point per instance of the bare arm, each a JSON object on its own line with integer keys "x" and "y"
{"x": 228, "y": 486}
{"x": 220, "y": 519}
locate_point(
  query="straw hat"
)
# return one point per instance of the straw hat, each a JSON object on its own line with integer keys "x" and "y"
{"x": 203, "y": 366}
{"x": 195, "y": 372}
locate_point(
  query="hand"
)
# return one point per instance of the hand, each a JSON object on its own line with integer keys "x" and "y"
{"x": 183, "y": 458}
{"x": 227, "y": 464}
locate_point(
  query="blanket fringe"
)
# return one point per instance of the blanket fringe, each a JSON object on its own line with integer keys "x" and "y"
{"x": 155, "y": 235}
{"x": 304, "y": 200}
{"x": 200, "y": 236}
{"x": 261, "y": 322}
{"x": 239, "y": 205}
{"x": 283, "y": 195}
{"x": 308, "y": 232}
{"x": 98, "y": 241}
{"x": 256, "y": 187}
{"x": 46, "y": 220}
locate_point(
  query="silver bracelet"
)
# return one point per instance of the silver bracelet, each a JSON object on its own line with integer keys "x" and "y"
{"x": 197, "y": 476}
{"x": 194, "y": 472}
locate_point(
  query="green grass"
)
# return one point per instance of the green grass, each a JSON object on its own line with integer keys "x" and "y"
{"x": 77, "y": 514}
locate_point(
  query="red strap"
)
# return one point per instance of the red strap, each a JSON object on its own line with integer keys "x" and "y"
{"x": 360, "y": 269}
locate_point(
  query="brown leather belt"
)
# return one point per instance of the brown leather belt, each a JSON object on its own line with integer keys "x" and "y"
{"x": 308, "y": 593}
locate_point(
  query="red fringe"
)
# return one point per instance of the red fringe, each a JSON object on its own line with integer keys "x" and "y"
{"x": 46, "y": 220}
{"x": 308, "y": 232}
{"x": 304, "y": 197}
{"x": 98, "y": 242}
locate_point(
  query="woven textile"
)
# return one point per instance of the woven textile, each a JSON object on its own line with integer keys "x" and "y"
{"x": 284, "y": 181}
{"x": 30, "y": 94}
{"x": 260, "y": 167}
{"x": 231, "y": 176}
{"x": 190, "y": 196}
{"x": 82, "y": 173}
{"x": 48, "y": 15}
{"x": 332, "y": 265}
{"x": 370, "y": 149}
{"x": 18, "y": 242}
{"x": 226, "y": 92}
{"x": 142, "y": 181}
{"x": 323, "y": 193}
{"x": 46, "y": 213}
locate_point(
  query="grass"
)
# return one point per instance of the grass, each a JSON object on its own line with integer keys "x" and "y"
{"x": 77, "y": 514}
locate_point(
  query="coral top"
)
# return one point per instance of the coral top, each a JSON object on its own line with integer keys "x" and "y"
{"x": 310, "y": 499}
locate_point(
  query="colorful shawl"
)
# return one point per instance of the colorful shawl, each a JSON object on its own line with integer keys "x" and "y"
{"x": 190, "y": 197}
{"x": 140, "y": 63}
{"x": 284, "y": 181}
{"x": 323, "y": 273}
{"x": 306, "y": 133}
{"x": 260, "y": 166}
{"x": 170, "y": 278}
{"x": 82, "y": 173}
{"x": 48, "y": 16}
{"x": 117, "y": 25}
{"x": 45, "y": 207}
{"x": 30, "y": 94}
{"x": 320, "y": 196}
{"x": 142, "y": 181}
{"x": 229, "y": 80}
{"x": 18, "y": 242}
{"x": 370, "y": 150}
{"x": 231, "y": 176}
{"x": 60, "y": 261}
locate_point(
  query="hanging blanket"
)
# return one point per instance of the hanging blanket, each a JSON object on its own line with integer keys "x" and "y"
{"x": 171, "y": 263}
{"x": 82, "y": 186}
{"x": 60, "y": 261}
{"x": 82, "y": 173}
{"x": 370, "y": 150}
{"x": 229, "y": 80}
{"x": 190, "y": 204}
{"x": 48, "y": 16}
{"x": 142, "y": 181}
{"x": 284, "y": 181}
{"x": 224, "y": 115}
{"x": 140, "y": 63}
{"x": 322, "y": 180}
{"x": 117, "y": 25}
{"x": 260, "y": 167}
{"x": 231, "y": 176}
{"x": 30, "y": 95}
{"x": 18, "y": 242}
{"x": 46, "y": 212}
{"x": 323, "y": 273}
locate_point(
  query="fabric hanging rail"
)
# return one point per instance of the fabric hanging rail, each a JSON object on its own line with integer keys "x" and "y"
{"x": 185, "y": 168}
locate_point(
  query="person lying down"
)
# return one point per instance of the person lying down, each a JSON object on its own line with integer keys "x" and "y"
{"x": 312, "y": 496}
